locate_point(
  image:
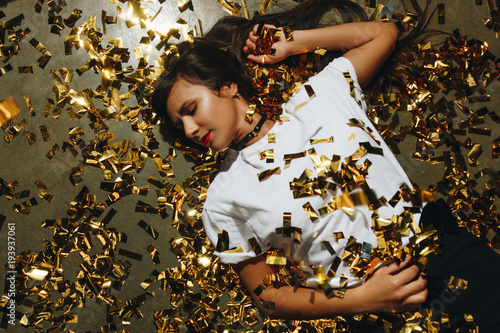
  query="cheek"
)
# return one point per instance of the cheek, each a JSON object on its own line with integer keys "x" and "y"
{"x": 227, "y": 114}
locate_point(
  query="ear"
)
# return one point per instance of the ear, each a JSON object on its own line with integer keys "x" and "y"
{"x": 229, "y": 89}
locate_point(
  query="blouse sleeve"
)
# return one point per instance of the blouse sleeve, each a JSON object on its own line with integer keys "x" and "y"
{"x": 239, "y": 234}
{"x": 342, "y": 67}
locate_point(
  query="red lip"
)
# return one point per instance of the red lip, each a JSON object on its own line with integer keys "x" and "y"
{"x": 206, "y": 138}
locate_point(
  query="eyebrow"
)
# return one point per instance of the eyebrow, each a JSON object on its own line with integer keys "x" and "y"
{"x": 181, "y": 111}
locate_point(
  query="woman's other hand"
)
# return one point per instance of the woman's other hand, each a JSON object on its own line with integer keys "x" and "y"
{"x": 256, "y": 52}
{"x": 394, "y": 288}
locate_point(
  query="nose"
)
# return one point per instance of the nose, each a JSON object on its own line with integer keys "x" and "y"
{"x": 190, "y": 128}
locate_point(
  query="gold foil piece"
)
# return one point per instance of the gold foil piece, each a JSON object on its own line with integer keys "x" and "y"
{"x": 197, "y": 267}
{"x": 310, "y": 93}
{"x": 250, "y": 112}
{"x": 320, "y": 51}
{"x": 310, "y": 212}
{"x": 255, "y": 245}
{"x": 276, "y": 260}
{"x": 45, "y": 133}
{"x": 153, "y": 254}
{"x": 268, "y": 173}
{"x": 148, "y": 228}
{"x": 474, "y": 154}
{"x": 455, "y": 284}
{"x": 30, "y": 136}
{"x": 25, "y": 207}
{"x": 25, "y": 70}
{"x": 52, "y": 151}
{"x": 289, "y": 157}
{"x": 287, "y": 30}
{"x": 353, "y": 122}
{"x": 338, "y": 235}
{"x": 342, "y": 286}
{"x": 328, "y": 246}
{"x": 271, "y": 138}
{"x": 5, "y": 69}
{"x": 495, "y": 148}
{"x": 316, "y": 141}
{"x": 9, "y": 123}
{"x": 8, "y": 110}
{"x": 222, "y": 241}
{"x": 14, "y": 130}
{"x": 43, "y": 191}
{"x": 267, "y": 154}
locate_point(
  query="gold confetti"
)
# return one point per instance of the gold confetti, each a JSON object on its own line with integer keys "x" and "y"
{"x": 25, "y": 70}
{"x": 358, "y": 123}
{"x": 30, "y": 136}
{"x": 455, "y": 284}
{"x": 268, "y": 155}
{"x": 310, "y": 211}
{"x": 320, "y": 51}
{"x": 271, "y": 138}
{"x": 222, "y": 241}
{"x": 154, "y": 254}
{"x": 289, "y": 157}
{"x": 431, "y": 122}
{"x": 249, "y": 113}
{"x": 268, "y": 173}
{"x": 149, "y": 229}
{"x": 14, "y": 130}
{"x": 338, "y": 235}
{"x": 53, "y": 151}
{"x": 316, "y": 141}
{"x": 474, "y": 154}
{"x": 274, "y": 260}
{"x": 45, "y": 133}
{"x": 255, "y": 246}
{"x": 43, "y": 191}
{"x": 8, "y": 110}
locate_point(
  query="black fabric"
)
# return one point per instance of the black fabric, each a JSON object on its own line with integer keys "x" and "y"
{"x": 240, "y": 145}
{"x": 467, "y": 257}
{"x": 463, "y": 256}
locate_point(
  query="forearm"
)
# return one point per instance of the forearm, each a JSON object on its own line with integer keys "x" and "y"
{"x": 343, "y": 37}
{"x": 391, "y": 288}
{"x": 306, "y": 304}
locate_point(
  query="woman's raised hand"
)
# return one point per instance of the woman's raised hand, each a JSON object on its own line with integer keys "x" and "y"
{"x": 395, "y": 288}
{"x": 274, "y": 50}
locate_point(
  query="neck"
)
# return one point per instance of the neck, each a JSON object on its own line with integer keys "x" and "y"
{"x": 247, "y": 128}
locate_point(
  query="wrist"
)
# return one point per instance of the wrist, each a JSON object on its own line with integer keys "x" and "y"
{"x": 298, "y": 45}
{"x": 361, "y": 301}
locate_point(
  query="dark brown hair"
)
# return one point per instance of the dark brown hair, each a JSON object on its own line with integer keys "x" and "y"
{"x": 218, "y": 57}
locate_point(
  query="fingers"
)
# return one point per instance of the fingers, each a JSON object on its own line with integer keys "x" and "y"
{"x": 414, "y": 290}
{"x": 405, "y": 262}
{"x": 251, "y": 42}
{"x": 408, "y": 274}
{"x": 260, "y": 59}
{"x": 416, "y": 286}
{"x": 255, "y": 44}
{"x": 401, "y": 287}
{"x": 414, "y": 301}
{"x": 394, "y": 268}
{"x": 253, "y": 39}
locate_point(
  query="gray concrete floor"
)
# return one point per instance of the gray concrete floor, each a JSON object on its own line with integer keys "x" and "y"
{"x": 23, "y": 163}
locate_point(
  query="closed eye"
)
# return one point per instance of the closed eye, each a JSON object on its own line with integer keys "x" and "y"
{"x": 193, "y": 111}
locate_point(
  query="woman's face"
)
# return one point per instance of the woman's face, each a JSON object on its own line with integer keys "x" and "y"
{"x": 207, "y": 117}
